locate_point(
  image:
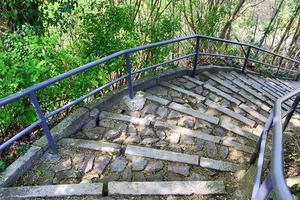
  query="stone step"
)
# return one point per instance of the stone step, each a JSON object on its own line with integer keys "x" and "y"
{"x": 222, "y": 94}
{"x": 91, "y": 145}
{"x": 255, "y": 101}
{"x": 246, "y": 95}
{"x": 219, "y": 165}
{"x": 183, "y": 91}
{"x": 46, "y": 191}
{"x": 222, "y": 82}
{"x": 162, "y": 154}
{"x": 284, "y": 84}
{"x": 121, "y": 117}
{"x": 230, "y": 113}
{"x": 186, "y": 131}
{"x": 166, "y": 188}
{"x": 253, "y": 113}
{"x": 237, "y": 130}
{"x": 230, "y": 143}
{"x": 157, "y": 99}
{"x": 194, "y": 113}
{"x": 196, "y": 81}
{"x": 257, "y": 86}
{"x": 249, "y": 90}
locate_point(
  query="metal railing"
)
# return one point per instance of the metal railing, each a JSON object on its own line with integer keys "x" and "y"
{"x": 275, "y": 180}
{"x": 42, "y": 118}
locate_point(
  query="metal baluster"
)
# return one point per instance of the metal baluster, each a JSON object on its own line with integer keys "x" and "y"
{"x": 246, "y": 59}
{"x": 279, "y": 65}
{"x": 196, "y": 57}
{"x": 37, "y": 108}
{"x": 129, "y": 78}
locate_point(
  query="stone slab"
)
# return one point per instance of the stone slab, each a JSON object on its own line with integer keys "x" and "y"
{"x": 219, "y": 165}
{"x": 196, "y": 81}
{"x": 222, "y": 82}
{"x": 253, "y": 113}
{"x": 186, "y": 131}
{"x": 157, "y": 99}
{"x": 134, "y": 120}
{"x": 194, "y": 113}
{"x": 161, "y": 154}
{"x": 166, "y": 188}
{"x": 249, "y": 90}
{"x": 238, "y": 146}
{"x": 94, "y": 189}
{"x": 14, "y": 171}
{"x": 230, "y": 113}
{"x": 183, "y": 91}
{"x": 222, "y": 94}
{"x": 235, "y": 129}
{"x": 91, "y": 145}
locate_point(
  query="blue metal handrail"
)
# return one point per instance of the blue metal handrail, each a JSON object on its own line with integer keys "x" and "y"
{"x": 275, "y": 180}
{"x": 31, "y": 91}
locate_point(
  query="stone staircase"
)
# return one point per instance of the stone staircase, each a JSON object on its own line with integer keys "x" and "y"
{"x": 187, "y": 138}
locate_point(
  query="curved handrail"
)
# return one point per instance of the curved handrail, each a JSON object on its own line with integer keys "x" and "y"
{"x": 277, "y": 158}
{"x": 280, "y": 186}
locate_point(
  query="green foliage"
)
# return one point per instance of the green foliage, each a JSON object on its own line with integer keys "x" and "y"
{"x": 3, "y": 165}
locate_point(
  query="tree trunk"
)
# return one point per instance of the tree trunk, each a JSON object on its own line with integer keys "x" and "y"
{"x": 268, "y": 29}
{"x": 231, "y": 19}
{"x": 288, "y": 28}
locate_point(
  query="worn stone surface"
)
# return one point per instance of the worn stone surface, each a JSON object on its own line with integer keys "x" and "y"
{"x": 230, "y": 113}
{"x": 186, "y": 121}
{"x": 138, "y": 164}
{"x": 112, "y": 134}
{"x": 183, "y": 91}
{"x": 64, "y": 165}
{"x": 95, "y": 133}
{"x": 118, "y": 164}
{"x": 90, "y": 144}
{"x": 51, "y": 191}
{"x": 150, "y": 109}
{"x": 101, "y": 163}
{"x": 186, "y": 131}
{"x": 173, "y": 138}
{"x": 89, "y": 164}
{"x": 218, "y": 165}
{"x": 194, "y": 113}
{"x": 223, "y": 152}
{"x": 137, "y": 103}
{"x": 237, "y": 130}
{"x": 132, "y": 140}
{"x": 158, "y": 99}
{"x": 166, "y": 188}
{"x": 196, "y": 177}
{"x": 133, "y": 120}
{"x": 147, "y": 132}
{"x": 211, "y": 149}
{"x": 162, "y": 111}
{"x": 154, "y": 166}
{"x": 148, "y": 141}
{"x": 161, "y": 154}
{"x": 174, "y": 115}
{"x": 179, "y": 169}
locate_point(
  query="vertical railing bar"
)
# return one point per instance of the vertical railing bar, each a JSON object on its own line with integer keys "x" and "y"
{"x": 279, "y": 65}
{"x": 129, "y": 75}
{"x": 246, "y": 59}
{"x": 33, "y": 99}
{"x": 196, "y": 56}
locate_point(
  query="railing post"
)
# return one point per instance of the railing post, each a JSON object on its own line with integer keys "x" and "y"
{"x": 129, "y": 78}
{"x": 196, "y": 56}
{"x": 279, "y": 65}
{"x": 37, "y": 108}
{"x": 246, "y": 59}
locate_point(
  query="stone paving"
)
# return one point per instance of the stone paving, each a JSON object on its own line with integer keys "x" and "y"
{"x": 188, "y": 136}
